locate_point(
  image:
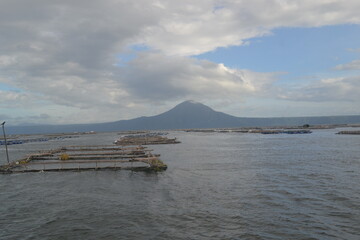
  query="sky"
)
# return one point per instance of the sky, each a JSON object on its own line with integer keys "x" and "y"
{"x": 87, "y": 61}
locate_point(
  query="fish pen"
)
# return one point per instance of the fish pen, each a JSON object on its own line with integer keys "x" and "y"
{"x": 146, "y": 139}
{"x": 251, "y": 130}
{"x": 300, "y": 131}
{"x": 81, "y": 158}
{"x": 349, "y": 132}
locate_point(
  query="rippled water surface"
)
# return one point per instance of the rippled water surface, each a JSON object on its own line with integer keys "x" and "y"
{"x": 217, "y": 186}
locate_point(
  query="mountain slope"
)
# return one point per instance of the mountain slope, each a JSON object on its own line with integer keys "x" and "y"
{"x": 188, "y": 114}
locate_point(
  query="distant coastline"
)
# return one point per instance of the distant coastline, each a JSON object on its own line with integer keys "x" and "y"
{"x": 190, "y": 115}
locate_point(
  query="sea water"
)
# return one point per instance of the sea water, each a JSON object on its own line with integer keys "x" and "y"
{"x": 217, "y": 186}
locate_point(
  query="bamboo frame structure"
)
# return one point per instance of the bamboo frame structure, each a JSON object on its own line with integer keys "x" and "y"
{"x": 349, "y": 132}
{"x": 145, "y": 140}
{"x": 81, "y": 158}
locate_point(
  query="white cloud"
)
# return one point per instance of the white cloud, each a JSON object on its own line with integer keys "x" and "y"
{"x": 17, "y": 99}
{"x": 355, "y": 50}
{"x": 330, "y": 90}
{"x": 25, "y": 119}
{"x": 354, "y": 65}
{"x": 64, "y": 53}
{"x": 153, "y": 76}
{"x": 193, "y": 28}
{"x": 6, "y": 61}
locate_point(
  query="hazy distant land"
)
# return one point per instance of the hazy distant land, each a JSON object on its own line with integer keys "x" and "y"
{"x": 189, "y": 115}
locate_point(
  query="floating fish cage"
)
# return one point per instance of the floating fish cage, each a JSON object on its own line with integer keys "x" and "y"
{"x": 30, "y": 140}
{"x": 145, "y": 140}
{"x": 349, "y": 132}
{"x": 302, "y": 131}
{"x": 81, "y": 158}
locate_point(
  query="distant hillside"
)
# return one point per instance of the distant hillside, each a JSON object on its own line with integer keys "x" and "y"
{"x": 188, "y": 114}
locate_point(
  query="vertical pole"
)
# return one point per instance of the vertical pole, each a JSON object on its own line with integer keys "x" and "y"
{"x": 7, "y": 153}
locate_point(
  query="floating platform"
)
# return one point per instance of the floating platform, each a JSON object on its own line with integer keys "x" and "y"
{"x": 349, "y": 132}
{"x": 85, "y": 158}
{"x": 30, "y": 140}
{"x": 252, "y": 130}
{"x": 145, "y": 140}
{"x": 301, "y": 131}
